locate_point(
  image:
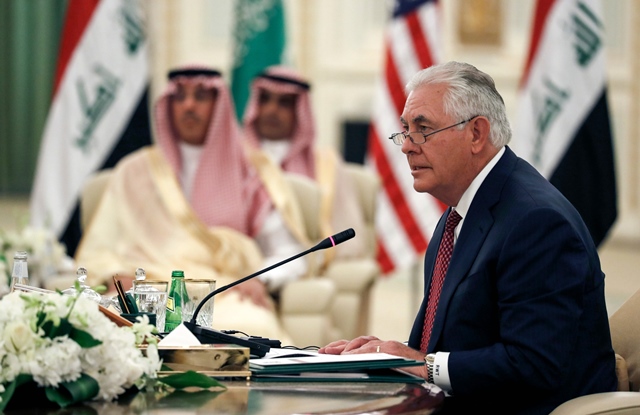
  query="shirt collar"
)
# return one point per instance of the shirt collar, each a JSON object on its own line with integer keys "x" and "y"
{"x": 467, "y": 197}
{"x": 276, "y": 149}
{"x": 190, "y": 155}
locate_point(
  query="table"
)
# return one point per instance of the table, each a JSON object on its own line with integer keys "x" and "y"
{"x": 273, "y": 398}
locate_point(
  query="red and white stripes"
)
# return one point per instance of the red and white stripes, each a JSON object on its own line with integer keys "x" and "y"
{"x": 405, "y": 218}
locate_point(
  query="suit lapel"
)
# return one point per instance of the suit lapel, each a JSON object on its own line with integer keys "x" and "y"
{"x": 432, "y": 251}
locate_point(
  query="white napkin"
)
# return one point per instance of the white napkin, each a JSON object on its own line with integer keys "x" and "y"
{"x": 181, "y": 336}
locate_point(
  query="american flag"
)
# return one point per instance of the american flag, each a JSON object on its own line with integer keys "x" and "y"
{"x": 405, "y": 218}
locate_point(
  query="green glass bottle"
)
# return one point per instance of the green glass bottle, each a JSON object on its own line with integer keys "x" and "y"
{"x": 175, "y": 300}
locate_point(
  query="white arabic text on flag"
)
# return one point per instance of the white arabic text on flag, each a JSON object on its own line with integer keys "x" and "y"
{"x": 103, "y": 75}
{"x": 563, "y": 123}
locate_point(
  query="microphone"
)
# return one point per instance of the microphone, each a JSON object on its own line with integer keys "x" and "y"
{"x": 208, "y": 336}
{"x": 334, "y": 240}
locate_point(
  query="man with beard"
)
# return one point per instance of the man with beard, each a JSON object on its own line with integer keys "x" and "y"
{"x": 279, "y": 129}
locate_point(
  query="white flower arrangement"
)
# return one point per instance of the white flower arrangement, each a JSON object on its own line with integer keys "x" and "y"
{"x": 56, "y": 340}
{"x": 4, "y": 279}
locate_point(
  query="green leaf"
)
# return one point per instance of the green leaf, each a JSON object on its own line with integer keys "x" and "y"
{"x": 52, "y": 331}
{"x": 10, "y": 388}
{"x": 100, "y": 289}
{"x": 84, "y": 339}
{"x": 68, "y": 393}
{"x": 189, "y": 379}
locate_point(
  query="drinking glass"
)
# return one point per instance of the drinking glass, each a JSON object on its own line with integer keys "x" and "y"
{"x": 196, "y": 291}
{"x": 151, "y": 297}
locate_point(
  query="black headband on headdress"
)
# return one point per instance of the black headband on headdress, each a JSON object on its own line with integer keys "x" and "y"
{"x": 284, "y": 79}
{"x": 193, "y": 72}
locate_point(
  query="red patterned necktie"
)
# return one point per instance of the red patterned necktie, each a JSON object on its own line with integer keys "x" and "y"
{"x": 437, "y": 280}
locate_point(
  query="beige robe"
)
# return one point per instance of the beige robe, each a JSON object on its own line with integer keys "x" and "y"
{"x": 339, "y": 208}
{"x": 143, "y": 220}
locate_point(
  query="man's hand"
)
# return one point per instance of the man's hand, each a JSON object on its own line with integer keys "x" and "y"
{"x": 372, "y": 344}
{"x": 255, "y": 291}
{"x": 360, "y": 344}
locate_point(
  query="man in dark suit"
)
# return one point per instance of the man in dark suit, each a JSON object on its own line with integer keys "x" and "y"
{"x": 515, "y": 321}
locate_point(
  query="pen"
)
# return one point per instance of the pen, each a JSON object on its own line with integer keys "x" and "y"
{"x": 121, "y": 295}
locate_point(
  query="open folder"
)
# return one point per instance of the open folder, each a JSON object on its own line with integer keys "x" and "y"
{"x": 366, "y": 367}
{"x": 364, "y": 375}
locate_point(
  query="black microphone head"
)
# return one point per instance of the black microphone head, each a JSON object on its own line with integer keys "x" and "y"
{"x": 340, "y": 237}
{"x": 336, "y": 239}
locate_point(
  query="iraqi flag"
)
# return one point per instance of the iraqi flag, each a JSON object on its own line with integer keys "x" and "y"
{"x": 99, "y": 111}
{"x": 405, "y": 219}
{"x": 562, "y": 126}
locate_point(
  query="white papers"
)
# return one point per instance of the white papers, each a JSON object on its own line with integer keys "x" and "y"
{"x": 317, "y": 358}
{"x": 181, "y": 336}
{"x": 276, "y": 352}
{"x": 316, "y": 367}
{"x": 323, "y": 375}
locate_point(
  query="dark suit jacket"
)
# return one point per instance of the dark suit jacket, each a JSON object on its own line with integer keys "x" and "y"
{"x": 522, "y": 310}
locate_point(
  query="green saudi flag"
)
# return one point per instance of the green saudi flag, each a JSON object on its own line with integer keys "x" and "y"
{"x": 259, "y": 38}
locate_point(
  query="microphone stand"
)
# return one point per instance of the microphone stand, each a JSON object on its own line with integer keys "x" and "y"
{"x": 258, "y": 346}
{"x": 243, "y": 279}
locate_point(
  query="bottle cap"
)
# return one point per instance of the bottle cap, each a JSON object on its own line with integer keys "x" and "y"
{"x": 20, "y": 255}
{"x": 141, "y": 275}
{"x": 87, "y": 291}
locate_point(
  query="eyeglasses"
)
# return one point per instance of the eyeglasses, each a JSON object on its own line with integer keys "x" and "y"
{"x": 399, "y": 138}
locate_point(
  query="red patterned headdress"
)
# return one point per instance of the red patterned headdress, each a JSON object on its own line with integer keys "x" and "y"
{"x": 226, "y": 190}
{"x": 283, "y": 80}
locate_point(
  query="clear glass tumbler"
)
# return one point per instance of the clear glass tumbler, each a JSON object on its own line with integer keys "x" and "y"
{"x": 151, "y": 297}
{"x": 196, "y": 291}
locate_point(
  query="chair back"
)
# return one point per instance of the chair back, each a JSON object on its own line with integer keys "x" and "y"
{"x": 91, "y": 194}
{"x": 625, "y": 336}
{"x": 308, "y": 195}
{"x": 355, "y": 277}
{"x": 367, "y": 183}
